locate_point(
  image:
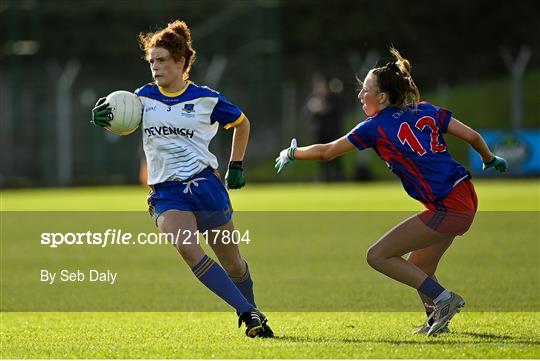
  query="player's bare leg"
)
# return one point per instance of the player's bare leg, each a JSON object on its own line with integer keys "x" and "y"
{"x": 412, "y": 234}
{"x": 227, "y": 252}
{"x": 427, "y": 259}
{"x": 173, "y": 220}
{"x": 386, "y": 257}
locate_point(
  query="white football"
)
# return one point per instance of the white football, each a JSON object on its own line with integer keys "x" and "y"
{"x": 127, "y": 112}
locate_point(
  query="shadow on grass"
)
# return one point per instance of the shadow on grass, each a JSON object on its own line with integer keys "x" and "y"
{"x": 488, "y": 336}
{"x": 472, "y": 338}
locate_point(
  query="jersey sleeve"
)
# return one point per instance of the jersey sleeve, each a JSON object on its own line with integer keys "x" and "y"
{"x": 226, "y": 113}
{"x": 361, "y": 135}
{"x": 443, "y": 118}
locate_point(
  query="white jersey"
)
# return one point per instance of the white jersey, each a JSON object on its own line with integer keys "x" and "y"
{"x": 178, "y": 127}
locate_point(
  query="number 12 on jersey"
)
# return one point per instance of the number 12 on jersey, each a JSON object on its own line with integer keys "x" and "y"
{"x": 406, "y": 135}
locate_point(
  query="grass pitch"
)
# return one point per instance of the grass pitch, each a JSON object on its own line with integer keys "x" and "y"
{"x": 505, "y": 257}
{"x": 300, "y": 336}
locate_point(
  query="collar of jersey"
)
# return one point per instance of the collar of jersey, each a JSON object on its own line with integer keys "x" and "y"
{"x": 387, "y": 109}
{"x": 175, "y": 94}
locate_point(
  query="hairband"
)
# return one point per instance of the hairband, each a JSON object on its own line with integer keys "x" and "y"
{"x": 393, "y": 66}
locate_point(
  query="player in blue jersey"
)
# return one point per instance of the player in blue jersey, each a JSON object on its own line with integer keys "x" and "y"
{"x": 408, "y": 136}
{"x": 180, "y": 119}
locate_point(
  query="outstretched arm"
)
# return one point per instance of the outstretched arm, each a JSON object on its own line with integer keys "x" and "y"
{"x": 462, "y": 131}
{"x": 327, "y": 151}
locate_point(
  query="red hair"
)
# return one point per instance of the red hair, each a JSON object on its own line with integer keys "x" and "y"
{"x": 176, "y": 38}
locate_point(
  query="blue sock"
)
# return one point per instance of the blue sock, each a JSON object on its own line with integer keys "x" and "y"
{"x": 245, "y": 285}
{"x": 214, "y": 277}
{"x": 431, "y": 288}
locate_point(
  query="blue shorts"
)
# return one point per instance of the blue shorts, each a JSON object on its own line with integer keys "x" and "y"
{"x": 203, "y": 194}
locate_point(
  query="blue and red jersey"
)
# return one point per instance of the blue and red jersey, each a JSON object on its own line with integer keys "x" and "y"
{"x": 411, "y": 142}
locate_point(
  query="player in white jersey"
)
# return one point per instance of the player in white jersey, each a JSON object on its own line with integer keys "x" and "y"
{"x": 180, "y": 119}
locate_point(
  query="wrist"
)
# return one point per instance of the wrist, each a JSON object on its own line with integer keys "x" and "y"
{"x": 236, "y": 164}
{"x": 290, "y": 153}
{"x": 489, "y": 160}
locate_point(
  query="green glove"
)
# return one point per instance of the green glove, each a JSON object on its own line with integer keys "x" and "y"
{"x": 234, "y": 178}
{"x": 102, "y": 114}
{"x": 498, "y": 163}
{"x": 286, "y": 156}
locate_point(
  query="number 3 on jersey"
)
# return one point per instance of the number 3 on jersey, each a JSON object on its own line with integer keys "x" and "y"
{"x": 406, "y": 135}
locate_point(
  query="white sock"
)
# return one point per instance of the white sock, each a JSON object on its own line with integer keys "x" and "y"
{"x": 442, "y": 297}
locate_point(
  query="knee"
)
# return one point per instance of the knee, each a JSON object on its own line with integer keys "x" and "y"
{"x": 374, "y": 257}
{"x": 190, "y": 255}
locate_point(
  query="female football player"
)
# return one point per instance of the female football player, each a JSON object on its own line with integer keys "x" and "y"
{"x": 180, "y": 119}
{"x": 408, "y": 135}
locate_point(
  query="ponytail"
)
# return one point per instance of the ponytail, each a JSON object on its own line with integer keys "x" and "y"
{"x": 395, "y": 79}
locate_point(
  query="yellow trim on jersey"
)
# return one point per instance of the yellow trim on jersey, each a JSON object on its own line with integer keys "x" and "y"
{"x": 175, "y": 94}
{"x": 236, "y": 122}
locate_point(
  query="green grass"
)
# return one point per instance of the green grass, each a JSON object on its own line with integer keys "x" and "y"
{"x": 301, "y": 336}
{"x": 494, "y": 195}
{"x": 311, "y": 262}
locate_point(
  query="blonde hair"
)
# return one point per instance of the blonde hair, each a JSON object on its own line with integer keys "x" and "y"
{"x": 176, "y": 38}
{"x": 395, "y": 79}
